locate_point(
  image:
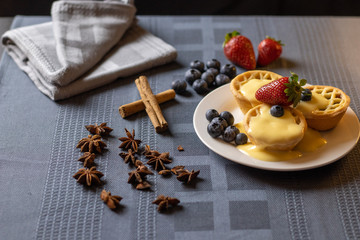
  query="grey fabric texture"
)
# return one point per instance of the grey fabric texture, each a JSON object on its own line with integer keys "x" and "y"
{"x": 41, "y": 200}
{"x": 86, "y": 45}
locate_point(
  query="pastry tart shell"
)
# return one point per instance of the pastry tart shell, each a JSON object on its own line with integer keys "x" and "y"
{"x": 326, "y": 119}
{"x": 283, "y": 145}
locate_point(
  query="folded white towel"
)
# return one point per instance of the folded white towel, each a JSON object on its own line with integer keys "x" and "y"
{"x": 87, "y": 44}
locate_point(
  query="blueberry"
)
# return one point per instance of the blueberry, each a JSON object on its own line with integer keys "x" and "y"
{"x": 306, "y": 95}
{"x": 199, "y": 65}
{"x": 200, "y": 86}
{"x": 221, "y": 79}
{"x": 229, "y": 70}
{"x": 220, "y": 120}
{"x": 210, "y": 114}
{"x": 237, "y": 131}
{"x": 191, "y": 75}
{"x": 276, "y": 111}
{"x": 229, "y": 134}
{"x": 215, "y": 129}
{"x": 208, "y": 77}
{"x": 179, "y": 86}
{"x": 241, "y": 139}
{"x": 214, "y": 71}
{"x": 213, "y": 63}
{"x": 228, "y": 117}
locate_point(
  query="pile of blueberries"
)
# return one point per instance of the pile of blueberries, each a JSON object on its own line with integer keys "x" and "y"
{"x": 204, "y": 79}
{"x": 222, "y": 125}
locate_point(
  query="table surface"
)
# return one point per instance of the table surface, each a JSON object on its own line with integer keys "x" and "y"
{"x": 40, "y": 199}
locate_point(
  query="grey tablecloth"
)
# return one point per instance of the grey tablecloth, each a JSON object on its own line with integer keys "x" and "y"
{"x": 40, "y": 199}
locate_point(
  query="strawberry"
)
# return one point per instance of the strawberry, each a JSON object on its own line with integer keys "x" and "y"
{"x": 239, "y": 50}
{"x": 283, "y": 91}
{"x": 269, "y": 50}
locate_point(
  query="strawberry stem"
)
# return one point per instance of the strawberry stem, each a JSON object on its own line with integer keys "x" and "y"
{"x": 228, "y": 36}
{"x": 278, "y": 41}
{"x": 294, "y": 88}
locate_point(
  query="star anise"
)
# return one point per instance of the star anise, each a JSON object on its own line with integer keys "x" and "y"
{"x": 143, "y": 185}
{"x": 138, "y": 163}
{"x": 164, "y": 202}
{"x": 91, "y": 144}
{"x": 187, "y": 176}
{"x": 128, "y": 156}
{"x": 88, "y": 176}
{"x": 165, "y": 172}
{"x": 148, "y": 152}
{"x": 130, "y": 141}
{"x": 112, "y": 201}
{"x": 101, "y": 129}
{"x": 178, "y": 169}
{"x": 138, "y": 177}
{"x": 158, "y": 160}
{"x": 88, "y": 159}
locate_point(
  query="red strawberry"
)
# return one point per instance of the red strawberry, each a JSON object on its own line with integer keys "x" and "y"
{"x": 269, "y": 50}
{"x": 283, "y": 91}
{"x": 239, "y": 50}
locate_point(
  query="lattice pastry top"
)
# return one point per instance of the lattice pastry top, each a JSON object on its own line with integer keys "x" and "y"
{"x": 327, "y": 106}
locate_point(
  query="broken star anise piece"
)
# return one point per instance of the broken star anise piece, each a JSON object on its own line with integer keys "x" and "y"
{"x": 88, "y": 176}
{"x": 138, "y": 177}
{"x": 91, "y": 144}
{"x": 130, "y": 142}
{"x": 158, "y": 160}
{"x": 187, "y": 176}
{"x": 88, "y": 159}
{"x": 128, "y": 156}
{"x": 112, "y": 201}
{"x": 180, "y": 148}
{"x": 164, "y": 202}
{"x": 101, "y": 129}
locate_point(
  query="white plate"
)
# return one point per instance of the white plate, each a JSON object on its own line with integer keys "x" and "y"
{"x": 340, "y": 140}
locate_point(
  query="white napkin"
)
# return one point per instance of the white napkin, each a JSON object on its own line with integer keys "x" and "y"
{"x": 88, "y": 44}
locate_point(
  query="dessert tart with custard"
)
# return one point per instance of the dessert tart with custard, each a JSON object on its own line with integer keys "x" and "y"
{"x": 274, "y": 133}
{"x": 326, "y": 108}
{"x": 244, "y": 86}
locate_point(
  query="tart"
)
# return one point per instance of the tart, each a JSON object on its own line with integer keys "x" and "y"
{"x": 326, "y": 108}
{"x": 244, "y": 86}
{"x": 274, "y": 133}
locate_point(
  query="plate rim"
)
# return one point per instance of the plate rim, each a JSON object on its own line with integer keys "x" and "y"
{"x": 255, "y": 163}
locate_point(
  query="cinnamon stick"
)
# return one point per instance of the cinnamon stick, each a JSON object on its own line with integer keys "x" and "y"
{"x": 137, "y": 106}
{"x": 152, "y": 107}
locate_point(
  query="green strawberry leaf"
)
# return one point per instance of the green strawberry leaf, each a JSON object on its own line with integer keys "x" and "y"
{"x": 294, "y": 88}
{"x": 228, "y": 36}
{"x": 278, "y": 41}
{"x": 302, "y": 82}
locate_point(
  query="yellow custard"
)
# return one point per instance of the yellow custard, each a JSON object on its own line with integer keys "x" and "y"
{"x": 317, "y": 102}
{"x": 268, "y": 155}
{"x": 311, "y": 142}
{"x": 272, "y": 130}
{"x": 249, "y": 87}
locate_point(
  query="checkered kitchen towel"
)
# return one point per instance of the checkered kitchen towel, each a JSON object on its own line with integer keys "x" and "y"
{"x": 87, "y": 44}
